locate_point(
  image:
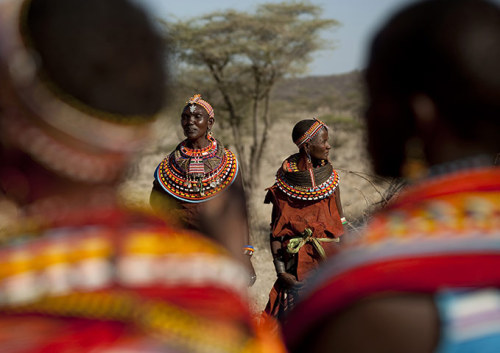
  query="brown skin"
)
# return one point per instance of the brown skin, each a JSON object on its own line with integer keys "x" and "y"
{"x": 195, "y": 125}
{"x": 385, "y": 324}
{"x": 288, "y": 280}
{"x": 224, "y": 219}
{"x": 318, "y": 147}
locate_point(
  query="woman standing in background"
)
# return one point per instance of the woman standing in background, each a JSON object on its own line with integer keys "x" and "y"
{"x": 199, "y": 183}
{"x": 307, "y": 217}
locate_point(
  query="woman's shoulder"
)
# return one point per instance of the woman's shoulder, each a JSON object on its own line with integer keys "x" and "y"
{"x": 164, "y": 162}
{"x": 270, "y": 194}
{"x": 287, "y": 165}
{"x": 170, "y": 153}
{"x": 222, "y": 147}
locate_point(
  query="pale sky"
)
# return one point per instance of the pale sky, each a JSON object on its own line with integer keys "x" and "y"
{"x": 358, "y": 18}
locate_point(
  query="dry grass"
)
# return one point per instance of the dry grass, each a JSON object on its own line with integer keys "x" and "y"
{"x": 360, "y": 190}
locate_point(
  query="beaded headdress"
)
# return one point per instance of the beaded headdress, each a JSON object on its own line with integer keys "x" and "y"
{"x": 311, "y": 132}
{"x": 196, "y": 99}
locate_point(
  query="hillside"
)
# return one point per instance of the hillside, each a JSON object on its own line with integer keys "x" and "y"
{"x": 334, "y": 92}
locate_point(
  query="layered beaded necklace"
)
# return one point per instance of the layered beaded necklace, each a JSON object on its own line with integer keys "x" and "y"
{"x": 297, "y": 184}
{"x": 196, "y": 175}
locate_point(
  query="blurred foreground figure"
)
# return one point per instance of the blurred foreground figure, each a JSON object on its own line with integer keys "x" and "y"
{"x": 79, "y": 83}
{"x": 425, "y": 277}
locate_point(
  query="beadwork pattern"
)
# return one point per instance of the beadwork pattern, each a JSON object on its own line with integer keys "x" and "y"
{"x": 293, "y": 188}
{"x": 196, "y": 99}
{"x": 97, "y": 273}
{"x": 311, "y": 132}
{"x": 220, "y": 168}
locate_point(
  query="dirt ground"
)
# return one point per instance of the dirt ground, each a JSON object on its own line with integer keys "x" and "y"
{"x": 359, "y": 188}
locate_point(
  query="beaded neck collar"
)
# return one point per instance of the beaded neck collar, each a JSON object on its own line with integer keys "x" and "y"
{"x": 196, "y": 175}
{"x": 297, "y": 184}
{"x": 206, "y": 152}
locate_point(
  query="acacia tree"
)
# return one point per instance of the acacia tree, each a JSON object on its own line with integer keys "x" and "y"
{"x": 243, "y": 55}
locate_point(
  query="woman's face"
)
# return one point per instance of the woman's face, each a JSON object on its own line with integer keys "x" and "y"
{"x": 195, "y": 122}
{"x": 319, "y": 147}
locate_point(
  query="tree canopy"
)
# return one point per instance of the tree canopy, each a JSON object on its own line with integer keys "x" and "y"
{"x": 237, "y": 57}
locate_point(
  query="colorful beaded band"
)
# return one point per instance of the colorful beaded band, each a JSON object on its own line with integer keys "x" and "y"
{"x": 319, "y": 192}
{"x": 176, "y": 181}
{"x": 311, "y": 132}
{"x": 206, "y": 152}
{"x": 248, "y": 250}
{"x": 343, "y": 220}
{"x": 107, "y": 274}
{"x": 196, "y": 99}
{"x": 91, "y": 256}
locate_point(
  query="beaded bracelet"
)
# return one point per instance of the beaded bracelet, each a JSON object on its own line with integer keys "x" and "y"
{"x": 248, "y": 250}
{"x": 343, "y": 220}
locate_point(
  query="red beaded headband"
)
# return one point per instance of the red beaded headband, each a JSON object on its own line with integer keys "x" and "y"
{"x": 311, "y": 132}
{"x": 196, "y": 99}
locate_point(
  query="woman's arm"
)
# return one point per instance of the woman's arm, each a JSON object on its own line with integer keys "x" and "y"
{"x": 288, "y": 280}
{"x": 338, "y": 202}
{"x": 224, "y": 219}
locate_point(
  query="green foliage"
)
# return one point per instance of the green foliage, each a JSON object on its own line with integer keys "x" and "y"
{"x": 234, "y": 59}
{"x": 343, "y": 121}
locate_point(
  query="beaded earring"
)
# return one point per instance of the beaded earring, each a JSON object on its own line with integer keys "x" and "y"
{"x": 310, "y": 167}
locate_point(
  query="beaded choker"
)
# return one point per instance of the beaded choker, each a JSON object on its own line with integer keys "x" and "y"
{"x": 196, "y": 175}
{"x": 297, "y": 184}
{"x": 206, "y": 152}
